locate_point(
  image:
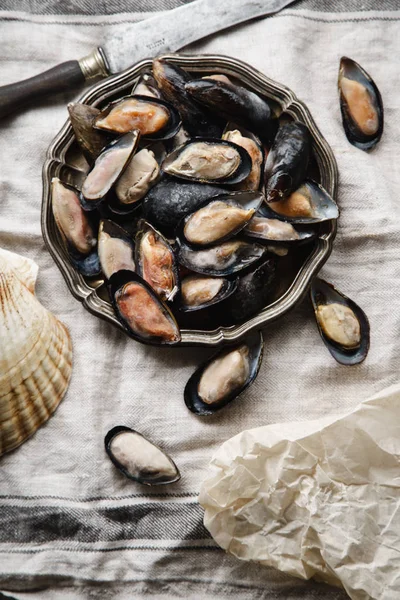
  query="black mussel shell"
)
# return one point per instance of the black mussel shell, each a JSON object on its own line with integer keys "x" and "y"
{"x": 227, "y": 288}
{"x": 167, "y": 268}
{"x": 247, "y": 201}
{"x": 91, "y": 141}
{"x": 167, "y": 131}
{"x": 196, "y": 120}
{"x": 273, "y": 230}
{"x": 87, "y": 264}
{"x": 252, "y": 346}
{"x": 170, "y": 200}
{"x": 150, "y": 475}
{"x": 324, "y": 293}
{"x": 361, "y": 105}
{"x": 308, "y": 204}
{"x": 234, "y": 255}
{"x": 146, "y": 85}
{"x": 240, "y": 173}
{"x": 254, "y": 147}
{"x": 111, "y": 240}
{"x": 129, "y": 143}
{"x": 171, "y": 336}
{"x": 235, "y": 103}
{"x": 287, "y": 161}
{"x": 252, "y": 293}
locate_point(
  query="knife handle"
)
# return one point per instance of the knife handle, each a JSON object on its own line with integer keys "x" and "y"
{"x": 65, "y": 76}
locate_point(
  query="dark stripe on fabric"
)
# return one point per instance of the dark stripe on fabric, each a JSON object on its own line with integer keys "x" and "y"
{"x": 100, "y": 498}
{"x": 152, "y": 548}
{"x": 150, "y": 521}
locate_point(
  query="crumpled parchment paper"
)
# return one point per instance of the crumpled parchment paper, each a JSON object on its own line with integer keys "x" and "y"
{"x": 315, "y": 499}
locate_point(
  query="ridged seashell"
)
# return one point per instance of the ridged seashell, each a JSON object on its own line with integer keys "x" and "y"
{"x": 35, "y": 354}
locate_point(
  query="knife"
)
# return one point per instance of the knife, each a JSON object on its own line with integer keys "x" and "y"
{"x": 167, "y": 32}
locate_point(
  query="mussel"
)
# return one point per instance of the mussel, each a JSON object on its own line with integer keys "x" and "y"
{"x": 144, "y": 316}
{"x": 226, "y": 375}
{"x": 196, "y": 120}
{"x": 90, "y": 140}
{"x": 202, "y": 291}
{"x": 156, "y": 261}
{"x": 115, "y": 248}
{"x": 146, "y": 86}
{"x": 139, "y": 176}
{"x": 267, "y": 230}
{"x": 252, "y": 181}
{"x": 310, "y": 203}
{"x": 208, "y": 160}
{"x": 154, "y": 118}
{"x": 108, "y": 167}
{"x": 170, "y": 200}
{"x": 343, "y": 325}
{"x": 75, "y": 228}
{"x": 235, "y": 103}
{"x": 138, "y": 458}
{"x": 220, "y": 219}
{"x": 287, "y": 161}
{"x": 360, "y": 104}
{"x": 222, "y": 260}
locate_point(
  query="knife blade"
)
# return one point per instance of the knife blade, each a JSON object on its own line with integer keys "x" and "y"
{"x": 167, "y": 32}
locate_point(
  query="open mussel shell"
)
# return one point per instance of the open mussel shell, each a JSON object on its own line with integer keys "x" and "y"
{"x": 254, "y": 149}
{"x": 115, "y": 247}
{"x": 220, "y": 219}
{"x": 144, "y": 316}
{"x": 201, "y": 291}
{"x": 156, "y": 261}
{"x": 141, "y": 173}
{"x": 170, "y": 200}
{"x": 360, "y": 104}
{"x": 287, "y": 161}
{"x": 343, "y": 325}
{"x": 138, "y": 458}
{"x": 108, "y": 167}
{"x": 155, "y": 119}
{"x": 272, "y": 230}
{"x": 90, "y": 140}
{"x": 146, "y": 85}
{"x": 310, "y": 203}
{"x": 209, "y": 160}
{"x": 225, "y": 259}
{"x": 226, "y": 375}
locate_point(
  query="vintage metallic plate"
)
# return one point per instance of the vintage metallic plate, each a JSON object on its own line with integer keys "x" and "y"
{"x": 62, "y": 154}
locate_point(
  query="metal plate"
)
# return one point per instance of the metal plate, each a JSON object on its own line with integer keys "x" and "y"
{"x": 58, "y": 160}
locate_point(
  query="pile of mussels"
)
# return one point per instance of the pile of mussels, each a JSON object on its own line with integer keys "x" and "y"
{"x": 195, "y": 192}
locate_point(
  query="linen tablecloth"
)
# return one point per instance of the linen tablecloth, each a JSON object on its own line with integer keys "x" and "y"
{"x": 70, "y": 525}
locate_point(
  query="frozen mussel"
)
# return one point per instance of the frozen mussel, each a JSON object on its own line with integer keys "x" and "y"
{"x": 220, "y": 219}
{"x": 138, "y": 458}
{"x": 308, "y": 204}
{"x": 115, "y": 247}
{"x": 287, "y": 161}
{"x": 343, "y": 325}
{"x": 361, "y": 105}
{"x": 139, "y": 176}
{"x": 144, "y": 316}
{"x": 202, "y": 291}
{"x": 156, "y": 261}
{"x": 75, "y": 228}
{"x": 253, "y": 148}
{"x": 225, "y": 259}
{"x": 108, "y": 167}
{"x": 90, "y": 140}
{"x": 208, "y": 160}
{"x": 154, "y": 118}
{"x": 266, "y": 230}
{"x": 226, "y": 375}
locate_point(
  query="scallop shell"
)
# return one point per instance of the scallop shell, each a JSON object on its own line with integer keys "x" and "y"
{"x": 35, "y": 354}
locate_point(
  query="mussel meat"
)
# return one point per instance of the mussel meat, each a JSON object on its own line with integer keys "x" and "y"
{"x": 139, "y": 176}
{"x": 220, "y": 219}
{"x": 222, "y": 260}
{"x": 109, "y": 167}
{"x": 209, "y": 161}
{"x": 287, "y": 161}
{"x": 156, "y": 261}
{"x": 360, "y": 104}
{"x": 154, "y": 118}
{"x": 115, "y": 248}
{"x": 138, "y": 458}
{"x": 252, "y": 181}
{"x": 90, "y": 140}
{"x": 268, "y": 230}
{"x": 235, "y": 103}
{"x": 202, "y": 291}
{"x": 144, "y": 316}
{"x": 343, "y": 325}
{"x": 226, "y": 375}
